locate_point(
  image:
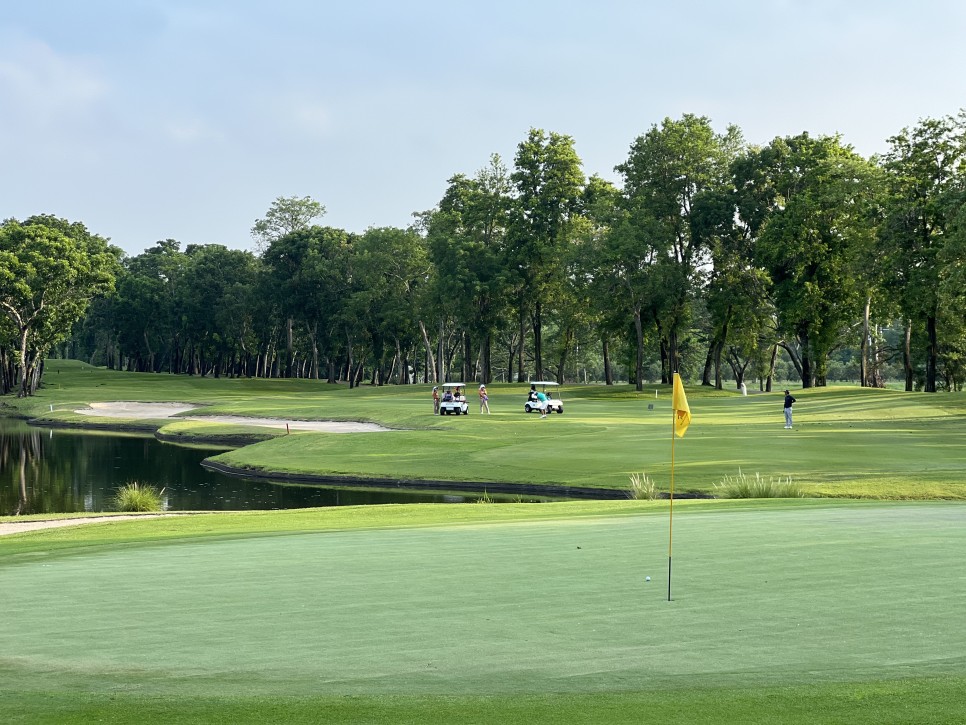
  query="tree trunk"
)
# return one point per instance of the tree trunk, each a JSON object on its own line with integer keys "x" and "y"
{"x": 932, "y": 354}
{"x": 468, "y": 372}
{"x": 605, "y": 352}
{"x": 802, "y": 362}
{"x": 289, "y": 353}
{"x": 796, "y": 361}
{"x": 24, "y": 373}
{"x": 313, "y": 333}
{"x": 674, "y": 363}
{"x": 442, "y": 365}
{"x": 562, "y": 364}
{"x": 486, "y": 360}
{"x": 864, "y": 348}
{"x": 510, "y": 352}
{"x": 538, "y": 340}
{"x": 430, "y": 359}
{"x": 771, "y": 367}
{"x": 402, "y": 377}
{"x": 708, "y": 362}
{"x": 907, "y": 357}
{"x": 639, "y": 360}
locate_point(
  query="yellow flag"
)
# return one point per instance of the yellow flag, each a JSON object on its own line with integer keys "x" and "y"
{"x": 682, "y": 413}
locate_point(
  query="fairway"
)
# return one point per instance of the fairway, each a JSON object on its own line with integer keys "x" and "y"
{"x": 847, "y": 442}
{"x": 772, "y": 597}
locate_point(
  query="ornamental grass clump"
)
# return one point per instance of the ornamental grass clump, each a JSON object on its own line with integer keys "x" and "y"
{"x": 742, "y": 486}
{"x": 642, "y": 487}
{"x": 134, "y": 497}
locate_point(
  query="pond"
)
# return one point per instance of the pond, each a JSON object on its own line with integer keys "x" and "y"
{"x": 46, "y": 470}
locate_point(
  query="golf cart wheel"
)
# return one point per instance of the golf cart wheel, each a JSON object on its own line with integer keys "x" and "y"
{"x": 527, "y": 407}
{"x": 560, "y": 410}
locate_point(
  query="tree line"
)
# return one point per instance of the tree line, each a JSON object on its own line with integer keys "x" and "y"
{"x": 712, "y": 257}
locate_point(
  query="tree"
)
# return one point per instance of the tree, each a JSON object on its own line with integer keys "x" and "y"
{"x": 465, "y": 237}
{"x": 594, "y": 272}
{"x": 549, "y": 182}
{"x": 287, "y": 214}
{"x": 927, "y": 172}
{"x": 812, "y": 202}
{"x": 207, "y": 292}
{"x": 666, "y": 169}
{"x": 735, "y": 293}
{"x": 50, "y": 269}
{"x": 389, "y": 266}
{"x": 144, "y": 310}
{"x": 308, "y": 273}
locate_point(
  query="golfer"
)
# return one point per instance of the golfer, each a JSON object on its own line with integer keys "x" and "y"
{"x": 542, "y": 403}
{"x": 789, "y": 401}
{"x": 484, "y": 400}
{"x": 435, "y": 400}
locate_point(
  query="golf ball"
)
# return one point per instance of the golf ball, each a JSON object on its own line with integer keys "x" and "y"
{"x": 647, "y": 578}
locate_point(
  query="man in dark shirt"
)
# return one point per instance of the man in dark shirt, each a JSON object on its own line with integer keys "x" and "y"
{"x": 789, "y": 401}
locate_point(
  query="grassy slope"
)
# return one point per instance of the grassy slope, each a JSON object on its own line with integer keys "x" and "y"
{"x": 799, "y": 612}
{"x": 847, "y": 441}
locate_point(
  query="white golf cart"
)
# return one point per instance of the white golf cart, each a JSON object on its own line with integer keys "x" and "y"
{"x": 453, "y": 401}
{"x": 553, "y": 403}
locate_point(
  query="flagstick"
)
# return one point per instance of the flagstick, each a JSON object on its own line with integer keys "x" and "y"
{"x": 670, "y": 525}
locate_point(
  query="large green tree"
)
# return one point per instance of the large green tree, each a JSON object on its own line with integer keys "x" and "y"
{"x": 144, "y": 309}
{"x": 287, "y": 214}
{"x": 211, "y": 323}
{"x": 927, "y": 171}
{"x": 50, "y": 269}
{"x": 389, "y": 266}
{"x": 307, "y": 271}
{"x": 466, "y": 236}
{"x": 549, "y": 182}
{"x": 813, "y": 202}
{"x": 666, "y": 170}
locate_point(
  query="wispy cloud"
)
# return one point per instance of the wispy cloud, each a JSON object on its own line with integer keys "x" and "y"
{"x": 38, "y": 84}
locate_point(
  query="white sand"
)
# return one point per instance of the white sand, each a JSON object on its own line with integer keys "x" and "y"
{"x": 122, "y": 409}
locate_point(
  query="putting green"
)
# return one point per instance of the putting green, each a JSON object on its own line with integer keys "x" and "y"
{"x": 760, "y": 597}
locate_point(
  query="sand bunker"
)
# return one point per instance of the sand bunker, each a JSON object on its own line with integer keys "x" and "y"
{"x": 127, "y": 409}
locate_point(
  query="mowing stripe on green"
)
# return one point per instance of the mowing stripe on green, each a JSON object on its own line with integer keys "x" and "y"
{"x": 777, "y": 597}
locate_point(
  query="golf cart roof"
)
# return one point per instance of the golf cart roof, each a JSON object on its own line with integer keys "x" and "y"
{"x": 543, "y": 382}
{"x": 454, "y": 385}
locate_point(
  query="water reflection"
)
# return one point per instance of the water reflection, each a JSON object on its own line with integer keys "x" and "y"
{"x": 63, "y": 471}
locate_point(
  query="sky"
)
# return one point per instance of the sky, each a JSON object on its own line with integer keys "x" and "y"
{"x": 175, "y": 119}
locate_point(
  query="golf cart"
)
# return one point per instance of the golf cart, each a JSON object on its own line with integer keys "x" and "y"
{"x": 453, "y": 401}
{"x": 553, "y": 402}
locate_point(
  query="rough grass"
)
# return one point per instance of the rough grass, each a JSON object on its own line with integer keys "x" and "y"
{"x": 137, "y": 498}
{"x": 743, "y": 486}
{"x": 642, "y": 487}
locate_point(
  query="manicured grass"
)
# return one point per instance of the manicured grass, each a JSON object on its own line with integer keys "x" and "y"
{"x": 847, "y": 441}
{"x": 793, "y": 612}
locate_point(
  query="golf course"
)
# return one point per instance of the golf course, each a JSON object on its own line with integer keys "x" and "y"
{"x": 841, "y": 604}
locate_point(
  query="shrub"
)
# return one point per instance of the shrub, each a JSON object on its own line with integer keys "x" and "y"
{"x": 741, "y": 486}
{"x": 642, "y": 487}
{"x": 134, "y": 497}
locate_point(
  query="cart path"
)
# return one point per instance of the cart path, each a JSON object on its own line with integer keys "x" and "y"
{"x": 19, "y": 527}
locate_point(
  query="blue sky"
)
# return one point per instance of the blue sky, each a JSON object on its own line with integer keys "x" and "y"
{"x": 151, "y": 119}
